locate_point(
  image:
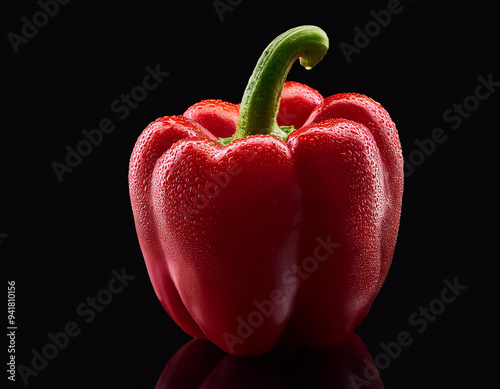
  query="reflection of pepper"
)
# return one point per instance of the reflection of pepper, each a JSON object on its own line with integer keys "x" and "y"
{"x": 346, "y": 365}
{"x": 272, "y": 228}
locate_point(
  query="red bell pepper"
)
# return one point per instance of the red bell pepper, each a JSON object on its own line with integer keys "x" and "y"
{"x": 287, "y": 226}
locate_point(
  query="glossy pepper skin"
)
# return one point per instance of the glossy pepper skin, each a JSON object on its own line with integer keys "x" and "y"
{"x": 273, "y": 231}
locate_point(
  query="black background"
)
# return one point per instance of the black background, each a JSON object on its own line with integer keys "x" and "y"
{"x": 60, "y": 241}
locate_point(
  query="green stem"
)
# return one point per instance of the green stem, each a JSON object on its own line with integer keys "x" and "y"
{"x": 260, "y": 102}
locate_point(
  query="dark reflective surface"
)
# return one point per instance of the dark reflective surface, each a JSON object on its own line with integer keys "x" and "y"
{"x": 200, "y": 364}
